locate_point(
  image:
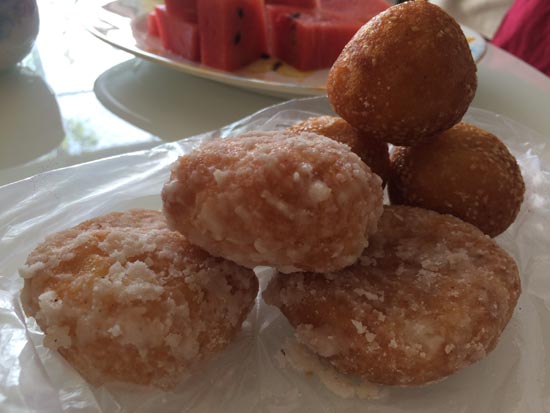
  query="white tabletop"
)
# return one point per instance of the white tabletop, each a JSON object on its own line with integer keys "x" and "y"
{"x": 51, "y": 116}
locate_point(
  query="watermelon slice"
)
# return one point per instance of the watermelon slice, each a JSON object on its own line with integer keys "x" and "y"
{"x": 178, "y": 35}
{"x": 184, "y": 9}
{"x": 233, "y": 32}
{"x": 362, "y": 10}
{"x": 152, "y": 25}
{"x": 305, "y": 4}
{"x": 308, "y": 39}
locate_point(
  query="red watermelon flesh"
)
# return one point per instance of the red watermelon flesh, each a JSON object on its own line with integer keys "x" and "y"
{"x": 233, "y": 32}
{"x": 308, "y": 40}
{"x": 306, "y": 4}
{"x": 362, "y": 10}
{"x": 152, "y": 26}
{"x": 177, "y": 35}
{"x": 184, "y": 9}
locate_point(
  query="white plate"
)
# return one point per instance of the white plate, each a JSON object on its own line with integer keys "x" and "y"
{"x": 247, "y": 378}
{"x": 171, "y": 104}
{"x": 123, "y": 24}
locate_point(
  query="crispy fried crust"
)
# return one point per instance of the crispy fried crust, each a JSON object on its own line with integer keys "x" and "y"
{"x": 294, "y": 202}
{"x": 466, "y": 172}
{"x": 373, "y": 152}
{"x": 405, "y": 76}
{"x": 123, "y": 298}
{"x": 430, "y": 296}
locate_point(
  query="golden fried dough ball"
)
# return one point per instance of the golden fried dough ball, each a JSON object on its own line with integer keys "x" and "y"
{"x": 466, "y": 172}
{"x": 430, "y": 295}
{"x": 123, "y": 298}
{"x": 290, "y": 201}
{"x": 373, "y": 152}
{"x": 405, "y": 76}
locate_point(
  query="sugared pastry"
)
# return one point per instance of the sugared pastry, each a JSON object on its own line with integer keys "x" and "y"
{"x": 297, "y": 202}
{"x": 405, "y": 76}
{"x": 466, "y": 172}
{"x": 429, "y": 296}
{"x": 124, "y": 298}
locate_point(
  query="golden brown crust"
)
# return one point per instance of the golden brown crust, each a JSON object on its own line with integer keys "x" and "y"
{"x": 291, "y": 201}
{"x": 466, "y": 172}
{"x": 123, "y": 298}
{"x": 430, "y": 295}
{"x": 373, "y": 152}
{"x": 406, "y": 75}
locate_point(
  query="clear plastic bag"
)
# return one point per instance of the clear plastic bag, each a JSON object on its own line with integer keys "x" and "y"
{"x": 248, "y": 376}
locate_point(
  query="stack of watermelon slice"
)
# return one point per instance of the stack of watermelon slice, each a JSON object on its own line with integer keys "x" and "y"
{"x": 229, "y": 34}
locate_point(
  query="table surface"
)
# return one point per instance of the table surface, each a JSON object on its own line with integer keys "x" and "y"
{"x": 51, "y": 116}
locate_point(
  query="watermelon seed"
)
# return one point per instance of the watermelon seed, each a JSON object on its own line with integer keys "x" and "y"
{"x": 294, "y": 15}
{"x": 265, "y": 56}
{"x": 240, "y": 12}
{"x": 237, "y": 39}
{"x": 276, "y": 66}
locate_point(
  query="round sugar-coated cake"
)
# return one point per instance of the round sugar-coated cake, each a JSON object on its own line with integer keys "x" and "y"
{"x": 405, "y": 76}
{"x": 466, "y": 172}
{"x": 124, "y": 298}
{"x": 429, "y": 296}
{"x": 297, "y": 202}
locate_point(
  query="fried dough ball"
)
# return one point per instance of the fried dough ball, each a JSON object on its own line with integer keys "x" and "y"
{"x": 466, "y": 172}
{"x": 405, "y": 76}
{"x": 294, "y": 202}
{"x": 430, "y": 295}
{"x": 123, "y": 298}
{"x": 373, "y": 152}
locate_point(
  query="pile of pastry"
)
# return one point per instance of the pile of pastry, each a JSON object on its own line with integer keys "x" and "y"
{"x": 400, "y": 294}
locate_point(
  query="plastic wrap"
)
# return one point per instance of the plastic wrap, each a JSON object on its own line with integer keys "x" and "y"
{"x": 249, "y": 375}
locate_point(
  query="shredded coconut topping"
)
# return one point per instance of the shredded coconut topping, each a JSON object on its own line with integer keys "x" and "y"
{"x": 126, "y": 282}
{"x": 434, "y": 297}
{"x": 281, "y": 196}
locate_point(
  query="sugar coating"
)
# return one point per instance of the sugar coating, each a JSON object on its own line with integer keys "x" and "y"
{"x": 406, "y": 75}
{"x": 301, "y": 359}
{"x": 290, "y": 201}
{"x": 372, "y": 151}
{"x": 432, "y": 297}
{"x": 466, "y": 172}
{"x": 123, "y": 298}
